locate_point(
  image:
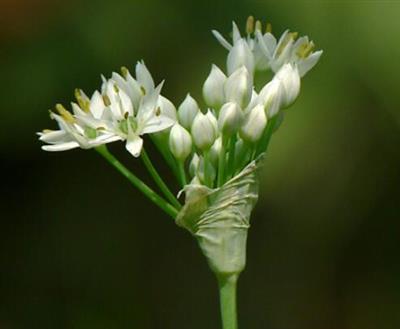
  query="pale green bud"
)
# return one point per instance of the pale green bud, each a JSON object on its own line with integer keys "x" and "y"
{"x": 230, "y": 118}
{"x": 271, "y": 97}
{"x": 289, "y": 76}
{"x": 206, "y": 167}
{"x": 187, "y": 111}
{"x": 240, "y": 55}
{"x": 254, "y": 124}
{"x": 215, "y": 151}
{"x": 203, "y": 131}
{"x": 213, "y": 88}
{"x": 238, "y": 87}
{"x": 194, "y": 165}
{"x": 180, "y": 142}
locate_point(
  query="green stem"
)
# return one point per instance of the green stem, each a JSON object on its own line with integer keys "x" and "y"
{"x": 159, "y": 181}
{"x": 227, "y": 293}
{"x": 221, "y": 163}
{"x": 231, "y": 159}
{"x": 147, "y": 191}
{"x": 182, "y": 174}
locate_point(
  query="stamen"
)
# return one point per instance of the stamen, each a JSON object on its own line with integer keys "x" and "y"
{"x": 67, "y": 116}
{"x": 250, "y": 25}
{"x": 106, "y": 100}
{"x": 157, "y": 111}
{"x": 84, "y": 104}
{"x": 258, "y": 26}
{"x": 143, "y": 90}
{"x": 268, "y": 28}
{"x": 124, "y": 71}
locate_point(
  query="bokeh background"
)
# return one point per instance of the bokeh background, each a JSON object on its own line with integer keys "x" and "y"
{"x": 81, "y": 249}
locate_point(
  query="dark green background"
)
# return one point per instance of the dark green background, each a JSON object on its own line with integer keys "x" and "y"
{"x": 81, "y": 249}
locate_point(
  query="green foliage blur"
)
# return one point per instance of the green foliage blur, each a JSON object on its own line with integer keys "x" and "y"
{"x": 81, "y": 249}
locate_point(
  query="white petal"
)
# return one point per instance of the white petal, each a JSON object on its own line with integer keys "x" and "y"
{"x": 308, "y": 63}
{"x": 53, "y": 137}
{"x": 97, "y": 105}
{"x": 235, "y": 33}
{"x": 60, "y": 147}
{"x": 221, "y": 40}
{"x": 134, "y": 145}
{"x": 156, "y": 124}
{"x": 144, "y": 77}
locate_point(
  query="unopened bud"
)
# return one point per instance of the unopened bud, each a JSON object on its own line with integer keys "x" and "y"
{"x": 215, "y": 151}
{"x": 203, "y": 131}
{"x": 238, "y": 87}
{"x": 187, "y": 111}
{"x": 240, "y": 55}
{"x": 290, "y": 79}
{"x": 271, "y": 97}
{"x": 230, "y": 118}
{"x": 194, "y": 165}
{"x": 254, "y": 124}
{"x": 180, "y": 142}
{"x": 213, "y": 88}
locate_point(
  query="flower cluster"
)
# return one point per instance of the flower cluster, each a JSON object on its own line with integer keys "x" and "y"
{"x": 208, "y": 145}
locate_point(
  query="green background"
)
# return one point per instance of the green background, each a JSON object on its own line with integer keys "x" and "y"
{"x": 81, "y": 249}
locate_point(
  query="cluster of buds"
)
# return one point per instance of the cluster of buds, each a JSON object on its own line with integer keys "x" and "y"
{"x": 204, "y": 146}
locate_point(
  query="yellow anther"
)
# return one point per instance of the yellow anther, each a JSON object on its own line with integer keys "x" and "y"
{"x": 143, "y": 90}
{"x": 268, "y": 28}
{"x": 84, "y": 103}
{"x": 294, "y": 35}
{"x": 124, "y": 71}
{"x": 67, "y": 116}
{"x": 157, "y": 111}
{"x": 305, "y": 50}
{"x": 46, "y": 131}
{"x": 250, "y": 25}
{"x": 106, "y": 100}
{"x": 116, "y": 89}
{"x": 258, "y": 26}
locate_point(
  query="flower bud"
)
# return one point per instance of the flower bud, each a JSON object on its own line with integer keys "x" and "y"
{"x": 289, "y": 76}
{"x": 215, "y": 151}
{"x": 271, "y": 97}
{"x": 240, "y": 55}
{"x": 213, "y": 88}
{"x": 206, "y": 171}
{"x": 194, "y": 165}
{"x": 238, "y": 87}
{"x": 203, "y": 131}
{"x": 230, "y": 119}
{"x": 254, "y": 124}
{"x": 180, "y": 142}
{"x": 187, "y": 111}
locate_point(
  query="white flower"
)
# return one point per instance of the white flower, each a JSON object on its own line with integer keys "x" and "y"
{"x": 137, "y": 88}
{"x": 230, "y": 118}
{"x": 131, "y": 126}
{"x": 213, "y": 88}
{"x": 180, "y": 142}
{"x": 73, "y": 133}
{"x": 289, "y": 77}
{"x": 203, "y": 131}
{"x": 240, "y": 53}
{"x": 238, "y": 87}
{"x": 254, "y": 124}
{"x": 187, "y": 111}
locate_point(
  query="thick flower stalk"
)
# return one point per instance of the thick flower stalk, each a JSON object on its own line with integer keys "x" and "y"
{"x": 214, "y": 151}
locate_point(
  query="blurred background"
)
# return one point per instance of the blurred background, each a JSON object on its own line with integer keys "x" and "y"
{"x": 80, "y": 248}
